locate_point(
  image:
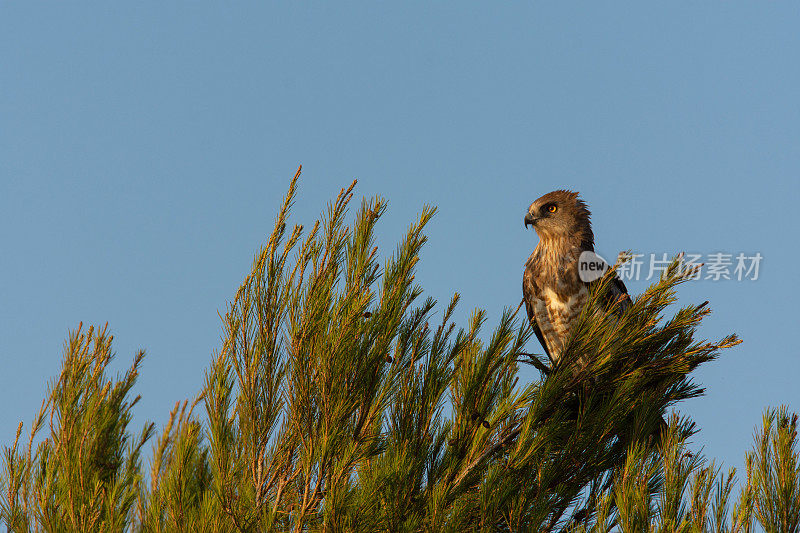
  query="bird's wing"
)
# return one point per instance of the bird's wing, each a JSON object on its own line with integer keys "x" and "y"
{"x": 617, "y": 297}
{"x": 527, "y": 296}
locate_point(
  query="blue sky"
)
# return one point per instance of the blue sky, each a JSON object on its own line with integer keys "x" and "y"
{"x": 145, "y": 147}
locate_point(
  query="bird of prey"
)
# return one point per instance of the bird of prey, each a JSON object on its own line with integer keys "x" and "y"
{"x": 552, "y": 286}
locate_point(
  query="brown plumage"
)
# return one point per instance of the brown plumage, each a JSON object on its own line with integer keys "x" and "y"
{"x": 552, "y": 288}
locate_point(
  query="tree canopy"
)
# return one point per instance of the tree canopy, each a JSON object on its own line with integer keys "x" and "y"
{"x": 342, "y": 399}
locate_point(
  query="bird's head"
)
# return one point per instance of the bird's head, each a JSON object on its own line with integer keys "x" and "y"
{"x": 560, "y": 214}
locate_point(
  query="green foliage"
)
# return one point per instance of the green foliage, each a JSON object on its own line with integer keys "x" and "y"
{"x": 180, "y": 477}
{"x": 85, "y": 475}
{"x": 774, "y": 474}
{"x": 339, "y": 401}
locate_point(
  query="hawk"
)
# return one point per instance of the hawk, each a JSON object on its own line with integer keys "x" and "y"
{"x": 552, "y": 288}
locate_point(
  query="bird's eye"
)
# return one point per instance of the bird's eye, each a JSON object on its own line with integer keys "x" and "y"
{"x": 552, "y": 209}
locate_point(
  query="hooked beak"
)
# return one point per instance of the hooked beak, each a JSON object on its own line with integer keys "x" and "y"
{"x": 529, "y": 219}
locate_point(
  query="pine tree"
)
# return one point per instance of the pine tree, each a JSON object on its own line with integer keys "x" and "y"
{"x": 340, "y": 400}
